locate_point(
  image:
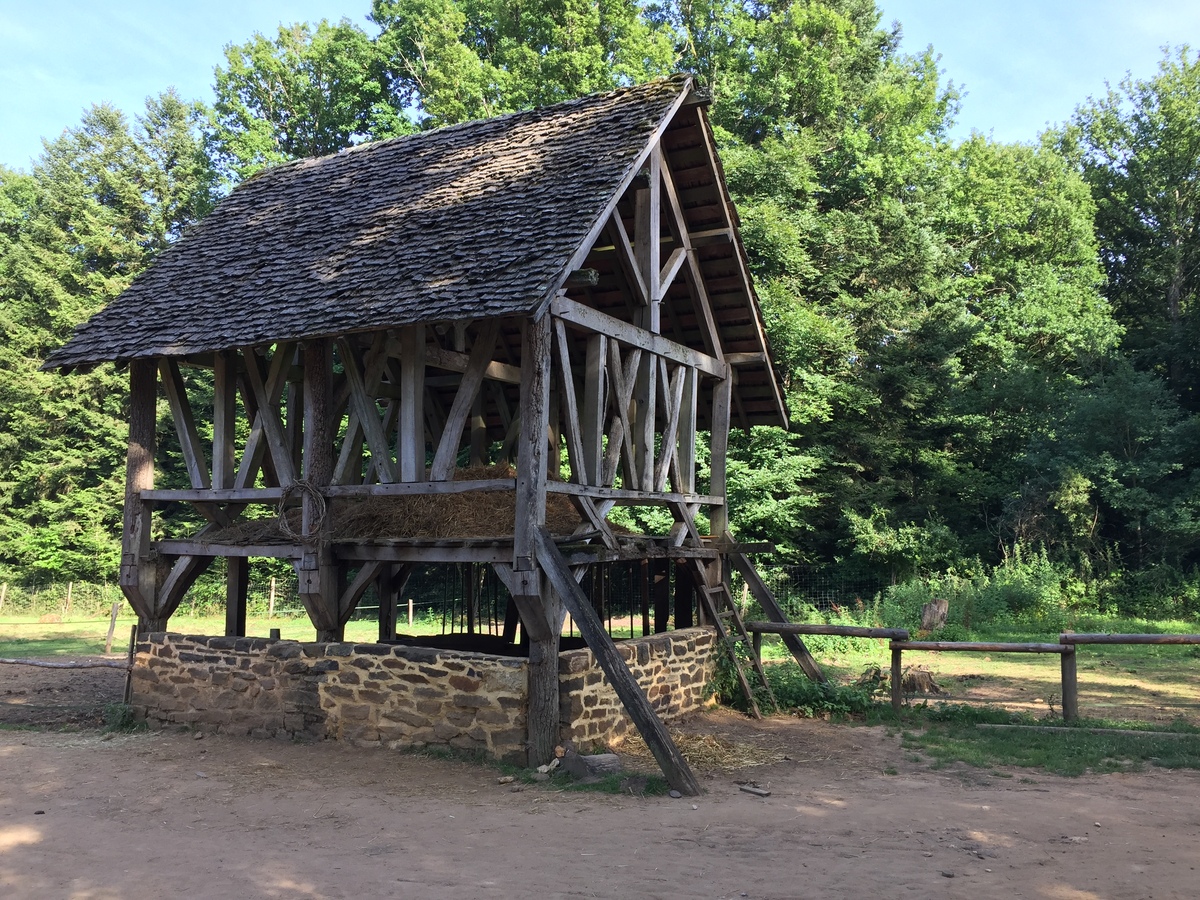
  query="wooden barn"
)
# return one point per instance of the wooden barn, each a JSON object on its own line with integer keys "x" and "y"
{"x": 548, "y": 310}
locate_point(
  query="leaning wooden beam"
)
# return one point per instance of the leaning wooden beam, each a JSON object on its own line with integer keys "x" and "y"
{"x": 367, "y": 413}
{"x": 445, "y": 458}
{"x": 349, "y": 600}
{"x": 138, "y": 576}
{"x": 650, "y": 726}
{"x": 185, "y": 423}
{"x": 602, "y": 323}
{"x": 633, "y": 498}
{"x": 453, "y": 361}
{"x": 762, "y": 593}
{"x": 268, "y": 419}
{"x": 570, "y": 407}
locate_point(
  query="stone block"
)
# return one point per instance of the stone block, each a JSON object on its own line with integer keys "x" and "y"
{"x": 285, "y": 650}
{"x": 444, "y": 731}
{"x": 373, "y": 649}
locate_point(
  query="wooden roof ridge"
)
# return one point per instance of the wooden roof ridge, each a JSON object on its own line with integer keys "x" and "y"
{"x": 477, "y": 219}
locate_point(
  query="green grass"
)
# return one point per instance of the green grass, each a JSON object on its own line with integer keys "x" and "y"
{"x": 947, "y": 735}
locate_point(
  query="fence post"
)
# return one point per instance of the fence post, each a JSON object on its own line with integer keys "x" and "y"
{"x": 271, "y": 600}
{"x": 897, "y": 680}
{"x": 112, "y": 626}
{"x": 3, "y": 594}
{"x": 70, "y": 585}
{"x": 410, "y": 615}
{"x": 1070, "y": 685}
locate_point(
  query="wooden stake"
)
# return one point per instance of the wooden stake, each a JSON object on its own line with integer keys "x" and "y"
{"x": 271, "y": 600}
{"x": 3, "y": 594}
{"x": 112, "y": 625}
{"x": 897, "y": 680}
{"x": 1070, "y": 687}
{"x": 410, "y": 614}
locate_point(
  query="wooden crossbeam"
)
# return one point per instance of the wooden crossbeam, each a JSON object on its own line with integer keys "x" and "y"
{"x": 650, "y": 726}
{"x": 268, "y": 418}
{"x": 620, "y": 434}
{"x": 626, "y": 259}
{"x": 570, "y": 408}
{"x": 256, "y": 442}
{"x": 445, "y": 458}
{"x": 366, "y": 413}
{"x": 354, "y": 592}
{"x": 185, "y": 422}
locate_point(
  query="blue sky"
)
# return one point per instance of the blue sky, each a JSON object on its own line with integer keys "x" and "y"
{"x": 1022, "y": 63}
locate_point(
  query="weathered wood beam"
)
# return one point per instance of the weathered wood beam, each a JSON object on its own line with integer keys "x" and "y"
{"x": 627, "y": 261}
{"x": 316, "y": 571}
{"x": 138, "y": 576}
{"x": 411, "y": 428}
{"x": 592, "y": 422}
{"x": 719, "y": 447}
{"x": 267, "y": 418}
{"x": 453, "y": 361}
{"x": 237, "y": 585}
{"x": 531, "y": 453}
{"x": 446, "y": 457}
{"x": 224, "y": 418}
{"x": 601, "y": 323}
{"x": 673, "y": 396}
{"x": 625, "y": 497}
{"x": 366, "y": 414}
{"x": 620, "y": 434}
{"x": 185, "y": 422}
{"x": 633, "y": 698}
{"x": 367, "y": 574}
{"x": 570, "y": 409}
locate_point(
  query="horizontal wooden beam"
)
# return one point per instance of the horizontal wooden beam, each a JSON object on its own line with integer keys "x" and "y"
{"x": 420, "y": 488}
{"x": 980, "y": 647}
{"x": 601, "y": 323}
{"x": 215, "y": 495}
{"x": 1072, "y": 638}
{"x": 452, "y": 361}
{"x": 889, "y": 634}
{"x": 203, "y": 548}
{"x": 631, "y": 498}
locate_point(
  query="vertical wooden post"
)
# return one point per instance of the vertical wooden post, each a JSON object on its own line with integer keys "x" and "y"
{"x": 538, "y": 606}
{"x": 317, "y": 573}
{"x": 387, "y": 604}
{"x": 1070, "y": 686}
{"x": 722, "y": 398}
{"x": 112, "y": 625}
{"x": 479, "y": 441}
{"x": 237, "y": 584}
{"x": 410, "y": 613}
{"x": 660, "y": 589}
{"x": 224, "y": 418}
{"x": 687, "y": 430}
{"x": 592, "y": 422}
{"x": 3, "y": 594}
{"x": 138, "y": 571}
{"x": 411, "y": 424}
{"x": 645, "y": 594}
{"x": 685, "y": 595}
{"x": 897, "y": 681}
{"x": 70, "y": 587}
{"x": 271, "y": 600}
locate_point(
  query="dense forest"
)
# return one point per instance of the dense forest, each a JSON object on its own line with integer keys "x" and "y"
{"x": 991, "y": 351}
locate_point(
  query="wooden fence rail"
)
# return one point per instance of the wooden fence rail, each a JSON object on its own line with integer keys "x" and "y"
{"x": 1065, "y": 647}
{"x": 758, "y": 629}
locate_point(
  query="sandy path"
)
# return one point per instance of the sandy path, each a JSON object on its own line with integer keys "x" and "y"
{"x": 163, "y": 815}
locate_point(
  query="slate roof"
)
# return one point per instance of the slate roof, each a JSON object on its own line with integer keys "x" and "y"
{"x": 472, "y": 220}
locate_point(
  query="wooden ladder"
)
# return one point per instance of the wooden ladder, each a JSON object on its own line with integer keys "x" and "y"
{"x": 720, "y": 607}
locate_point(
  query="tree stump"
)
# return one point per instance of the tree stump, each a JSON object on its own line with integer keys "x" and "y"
{"x": 933, "y": 614}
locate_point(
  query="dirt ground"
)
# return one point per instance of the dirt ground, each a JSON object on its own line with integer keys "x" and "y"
{"x": 94, "y": 817}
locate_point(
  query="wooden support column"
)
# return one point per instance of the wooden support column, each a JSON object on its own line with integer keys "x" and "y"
{"x": 660, "y": 593}
{"x": 532, "y": 444}
{"x": 647, "y": 250}
{"x": 722, "y": 396}
{"x": 316, "y": 570}
{"x": 237, "y": 584}
{"x": 138, "y": 569}
{"x": 592, "y": 422}
{"x": 685, "y": 596}
{"x": 410, "y": 441}
{"x": 687, "y": 431}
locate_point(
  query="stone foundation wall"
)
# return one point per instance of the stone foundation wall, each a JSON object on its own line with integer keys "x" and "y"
{"x": 673, "y": 668}
{"x": 401, "y": 697}
{"x": 365, "y": 694}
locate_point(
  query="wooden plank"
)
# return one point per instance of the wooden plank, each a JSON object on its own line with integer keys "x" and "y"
{"x": 268, "y": 419}
{"x": 979, "y": 647}
{"x": 650, "y": 726}
{"x": 184, "y": 548}
{"x": 570, "y": 408}
{"x": 185, "y": 422}
{"x": 446, "y": 457}
{"x": 411, "y": 428}
{"x": 213, "y": 495}
{"x": 673, "y": 394}
{"x": 531, "y": 453}
{"x": 688, "y": 435}
{"x": 453, "y": 361}
{"x": 601, "y": 323}
{"x": 421, "y": 488}
{"x": 762, "y": 593}
{"x": 137, "y": 574}
{"x": 719, "y": 447}
{"x": 366, "y": 414}
{"x": 592, "y": 421}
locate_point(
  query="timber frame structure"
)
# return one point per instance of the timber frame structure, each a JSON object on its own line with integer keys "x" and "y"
{"x": 567, "y": 281}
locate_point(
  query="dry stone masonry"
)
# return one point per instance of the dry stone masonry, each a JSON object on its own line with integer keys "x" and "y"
{"x": 400, "y": 697}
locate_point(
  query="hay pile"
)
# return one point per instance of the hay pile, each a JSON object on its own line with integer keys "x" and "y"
{"x": 466, "y": 515}
{"x": 705, "y": 751}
